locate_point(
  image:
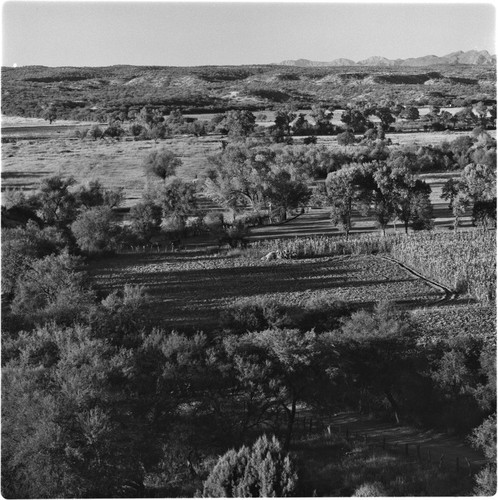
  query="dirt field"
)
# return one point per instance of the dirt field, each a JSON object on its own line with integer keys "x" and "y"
{"x": 188, "y": 289}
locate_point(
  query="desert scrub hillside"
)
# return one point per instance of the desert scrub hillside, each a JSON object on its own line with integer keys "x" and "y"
{"x": 90, "y": 93}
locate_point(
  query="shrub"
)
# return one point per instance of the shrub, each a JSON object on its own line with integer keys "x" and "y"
{"x": 370, "y": 490}
{"x": 21, "y": 245}
{"x": 254, "y": 314}
{"x": 95, "y": 230}
{"x": 52, "y": 290}
{"x": 261, "y": 471}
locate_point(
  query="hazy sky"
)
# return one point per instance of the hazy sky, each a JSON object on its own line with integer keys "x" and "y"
{"x": 190, "y": 34}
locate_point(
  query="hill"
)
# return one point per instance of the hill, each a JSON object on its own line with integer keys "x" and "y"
{"x": 472, "y": 57}
{"x": 94, "y": 93}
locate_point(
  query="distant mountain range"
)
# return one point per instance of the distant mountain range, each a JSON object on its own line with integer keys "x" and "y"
{"x": 473, "y": 57}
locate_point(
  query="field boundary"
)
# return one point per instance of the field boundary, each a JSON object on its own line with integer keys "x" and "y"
{"x": 448, "y": 293}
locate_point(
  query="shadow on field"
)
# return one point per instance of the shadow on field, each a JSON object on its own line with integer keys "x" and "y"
{"x": 189, "y": 292}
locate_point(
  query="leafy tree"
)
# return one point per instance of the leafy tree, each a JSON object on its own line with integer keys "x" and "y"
{"x": 56, "y": 204}
{"x": 460, "y": 147}
{"x": 260, "y": 471}
{"x": 484, "y": 438}
{"x": 95, "y": 195}
{"x": 343, "y": 192}
{"x": 51, "y": 288}
{"x": 176, "y": 198}
{"x": 410, "y": 113}
{"x": 95, "y": 230}
{"x": 355, "y": 120}
{"x": 322, "y": 116}
{"x": 161, "y": 163}
{"x": 279, "y": 368}
{"x": 73, "y": 424}
{"x": 408, "y": 195}
{"x": 145, "y": 219}
{"x": 458, "y": 201}
{"x": 286, "y": 193}
{"x": 346, "y": 138}
{"x": 239, "y": 123}
{"x": 50, "y": 114}
{"x": 281, "y": 131}
{"x": 239, "y": 176}
{"x": 375, "y": 350}
{"x": 21, "y": 246}
{"x": 385, "y": 116}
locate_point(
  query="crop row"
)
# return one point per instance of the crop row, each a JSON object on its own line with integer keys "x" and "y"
{"x": 464, "y": 261}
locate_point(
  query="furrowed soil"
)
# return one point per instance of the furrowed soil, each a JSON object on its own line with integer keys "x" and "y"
{"x": 188, "y": 290}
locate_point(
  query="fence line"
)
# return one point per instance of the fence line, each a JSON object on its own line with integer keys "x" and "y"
{"x": 307, "y": 426}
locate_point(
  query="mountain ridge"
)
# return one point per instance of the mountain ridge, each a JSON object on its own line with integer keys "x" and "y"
{"x": 471, "y": 57}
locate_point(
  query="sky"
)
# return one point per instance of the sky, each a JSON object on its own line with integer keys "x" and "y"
{"x": 164, "y": 33}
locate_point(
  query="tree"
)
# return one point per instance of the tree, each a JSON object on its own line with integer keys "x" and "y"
{"x": 278, "y": 368}
{"x": 161, "y": 163}
{"x": 484, "y": 438}
{"x": 73, "y": 422}
{"x": 344, "y": 195}
{"x": 408, "y": 195}
{"x": 375, "y": 350}
{"x": 260, "y": 471}
{"x": 410, "y": 113}
{"x": 281, "y": 131}
{"x": 145, "y": 219}
{"x": 176, "y": 198}
{"x": 21, "y": 246}
{"x": 56, "y": 204}
{"x": 51, "y": 289}
{"x": 458, "y": 201}
{"x": 50, "y": 113}
{"x": 239, "y": 123}
{"x": 95, "y": 230}
{"x": 346, "y": 138}
{"x": 373, "y": 197}
{"x": 286, "y": 193}
{"x": 355, "y": 120}
{"x": 94, "y": 195}
{"x": 239, "y": 176}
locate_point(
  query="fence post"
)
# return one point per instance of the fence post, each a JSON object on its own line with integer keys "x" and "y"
{"x": 441, "y": 460}
{"x": 470, "y": 466}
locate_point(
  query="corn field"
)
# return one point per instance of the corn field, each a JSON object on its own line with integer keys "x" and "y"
{"x": 464, "y": 262}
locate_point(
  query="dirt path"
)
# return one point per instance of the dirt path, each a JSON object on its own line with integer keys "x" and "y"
{"x": 433, "y": 445}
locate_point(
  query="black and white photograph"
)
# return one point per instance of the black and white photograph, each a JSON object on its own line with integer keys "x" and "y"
{"x": 248, "y": 249}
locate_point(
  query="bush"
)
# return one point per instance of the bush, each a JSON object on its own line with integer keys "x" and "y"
{"x": 95, "y": 230}
{"x": 262, "y": 471}
{"x": 21, "y": 245}
{"x": 52, "y": 290}
{"x": 370, "y": 490}
{"x": 254, "y": 314}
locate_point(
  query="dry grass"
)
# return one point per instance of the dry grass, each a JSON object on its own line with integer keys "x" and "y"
{"x": 115, "y": 164}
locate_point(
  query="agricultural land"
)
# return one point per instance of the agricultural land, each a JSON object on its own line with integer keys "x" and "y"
{"x": 197, "y": 259}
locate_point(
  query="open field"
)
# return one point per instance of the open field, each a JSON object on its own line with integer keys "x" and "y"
{"x": 188, "y": 289}
{"x": 38, "y": 151}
